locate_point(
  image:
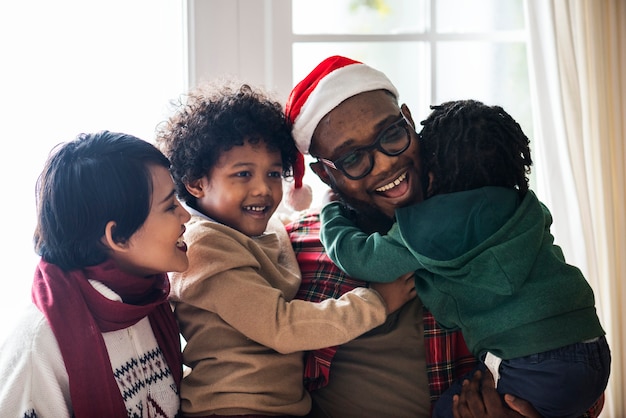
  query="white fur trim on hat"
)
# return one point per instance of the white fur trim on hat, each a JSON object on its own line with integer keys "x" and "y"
{"x": 331, "y": 91}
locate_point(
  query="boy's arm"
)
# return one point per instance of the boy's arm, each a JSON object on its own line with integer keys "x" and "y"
{"x": 373, "y": 258}
{"x": 224, "y": 279}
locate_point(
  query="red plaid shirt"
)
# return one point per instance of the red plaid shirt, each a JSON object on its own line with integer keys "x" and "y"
{"x": 447, "y": 356}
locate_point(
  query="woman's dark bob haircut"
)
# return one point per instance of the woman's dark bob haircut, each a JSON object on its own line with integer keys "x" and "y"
{"x": 86, "y": 183}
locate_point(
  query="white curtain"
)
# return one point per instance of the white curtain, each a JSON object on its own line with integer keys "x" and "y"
{"x": 578, "y": 62}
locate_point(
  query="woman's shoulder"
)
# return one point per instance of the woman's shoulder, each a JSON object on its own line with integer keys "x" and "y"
{"x": 32, "y": 371}
{"x": 31, "y": 337}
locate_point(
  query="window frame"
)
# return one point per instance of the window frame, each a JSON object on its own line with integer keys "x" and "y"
{"x": 267, "y": 59}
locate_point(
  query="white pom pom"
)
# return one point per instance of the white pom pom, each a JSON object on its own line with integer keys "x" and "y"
{"x": 300, "y": 198}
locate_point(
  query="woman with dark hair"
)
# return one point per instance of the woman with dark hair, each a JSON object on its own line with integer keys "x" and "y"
{"x": 100, "y": 339}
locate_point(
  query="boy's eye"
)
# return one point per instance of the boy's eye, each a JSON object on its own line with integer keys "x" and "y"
{"x": 243, "y": 174}
{"x": 275, "y": 174}
{"x": 173, "y": 207}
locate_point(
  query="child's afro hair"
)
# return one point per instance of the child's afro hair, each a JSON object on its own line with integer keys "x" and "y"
{"x": 216, "y": 117}
{"x": 466, "y": 144}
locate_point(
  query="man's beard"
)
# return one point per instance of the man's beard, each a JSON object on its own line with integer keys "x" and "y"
{"x": 367, "y": 217}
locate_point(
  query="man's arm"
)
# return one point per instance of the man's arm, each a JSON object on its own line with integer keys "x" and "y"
{"x": 374, "y": 258}
{"x": 479, "y": 399}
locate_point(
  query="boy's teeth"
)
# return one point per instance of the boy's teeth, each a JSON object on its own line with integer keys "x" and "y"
{"x": 392, "y": 184}
{"x": 255, "y": 208}
{"x": 180, "y": 242}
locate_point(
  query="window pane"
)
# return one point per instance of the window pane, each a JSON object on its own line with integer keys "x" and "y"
{"x": 494, "y": 73}
{"x": 359, "y": 16}
{"x": 479, "y": 15}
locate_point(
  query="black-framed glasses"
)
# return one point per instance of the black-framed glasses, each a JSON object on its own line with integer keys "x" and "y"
{"x": 358, "y": 163}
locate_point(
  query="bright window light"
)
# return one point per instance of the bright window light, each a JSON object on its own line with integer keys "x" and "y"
{"x": 72, "y": 66}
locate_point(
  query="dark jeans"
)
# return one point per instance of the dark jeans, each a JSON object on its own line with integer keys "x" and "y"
{"x": 561, "y": 383}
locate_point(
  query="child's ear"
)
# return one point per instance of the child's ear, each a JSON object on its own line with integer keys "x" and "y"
{"x": 196, "y": 188}
{"x": 431, "y": 176}
{"x": 109, "y": 238}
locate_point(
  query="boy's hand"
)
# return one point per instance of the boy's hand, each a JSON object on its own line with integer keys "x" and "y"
{"x": 483, "y": 401}
{"x": 396, "y": 293}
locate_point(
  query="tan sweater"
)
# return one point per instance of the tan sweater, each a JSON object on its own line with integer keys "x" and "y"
{"x": 245, "y": 335}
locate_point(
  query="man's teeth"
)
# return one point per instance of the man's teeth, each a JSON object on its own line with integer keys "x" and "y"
{"x": 255, "y": 208}
{"x": 392, "y": 184}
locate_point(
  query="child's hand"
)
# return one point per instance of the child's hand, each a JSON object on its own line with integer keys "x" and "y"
{"x": 396, "y": 293}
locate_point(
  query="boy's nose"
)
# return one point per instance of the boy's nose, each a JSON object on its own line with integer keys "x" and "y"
{"x": 262, "y": 188}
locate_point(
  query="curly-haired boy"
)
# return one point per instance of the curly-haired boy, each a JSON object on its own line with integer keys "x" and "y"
{"x": 230, "y": 149}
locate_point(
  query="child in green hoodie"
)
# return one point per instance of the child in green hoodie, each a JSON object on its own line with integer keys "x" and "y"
{"x": 485, "y": 262}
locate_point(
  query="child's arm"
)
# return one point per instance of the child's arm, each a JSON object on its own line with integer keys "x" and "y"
{"x": 373, "y": 258}
{"x": 225, "y": 278}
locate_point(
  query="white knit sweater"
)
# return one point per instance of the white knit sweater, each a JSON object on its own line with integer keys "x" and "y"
{"x": 34, "y": 382}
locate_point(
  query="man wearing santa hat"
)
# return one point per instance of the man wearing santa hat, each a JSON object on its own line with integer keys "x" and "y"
{"x": 342, "y": 115}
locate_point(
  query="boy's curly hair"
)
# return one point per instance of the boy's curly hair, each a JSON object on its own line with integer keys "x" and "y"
{"x": 215, "y": 118}
{"x": 466, "y": 144}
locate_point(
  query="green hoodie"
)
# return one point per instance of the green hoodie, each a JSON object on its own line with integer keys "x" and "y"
{"x": 484, "y": 262}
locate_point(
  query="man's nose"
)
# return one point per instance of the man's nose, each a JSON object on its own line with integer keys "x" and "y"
{"x": 382, "y": 161}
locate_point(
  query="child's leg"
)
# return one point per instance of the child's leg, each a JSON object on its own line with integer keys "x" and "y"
{"x": 559, "y": 383}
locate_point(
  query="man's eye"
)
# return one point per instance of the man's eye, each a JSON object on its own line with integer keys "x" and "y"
{"x": 393, "y": 134}
{"x": 353, "y": 159}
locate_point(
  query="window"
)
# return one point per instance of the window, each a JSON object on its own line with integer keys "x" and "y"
{"x": 429, "y": 53}
{"x": 433, "y": 55}
{"x": 71, "y": 66}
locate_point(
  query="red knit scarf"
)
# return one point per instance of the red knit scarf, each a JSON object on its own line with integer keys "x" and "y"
{"x": 78, "y": 315}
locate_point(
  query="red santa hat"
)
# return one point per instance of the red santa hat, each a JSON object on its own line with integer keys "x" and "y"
{"x": 299, "y": 196}
{"x": 334, "y": 80}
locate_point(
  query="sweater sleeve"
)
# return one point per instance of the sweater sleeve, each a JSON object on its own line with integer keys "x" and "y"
{"x": 373, "y": 258}
{"x": 225, "y": 278}
{"x": 32, "y": 372}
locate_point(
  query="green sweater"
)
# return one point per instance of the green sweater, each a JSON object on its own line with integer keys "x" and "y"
{"x": 484, "y": 263}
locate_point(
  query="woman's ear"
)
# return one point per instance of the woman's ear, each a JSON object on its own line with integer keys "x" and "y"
{"x": 109, "y": 240}
{"x": 196, "y": 188}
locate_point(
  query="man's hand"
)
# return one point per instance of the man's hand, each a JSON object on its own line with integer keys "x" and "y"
{"x": 485, "y": 402}
{"x": 396, "y": 293}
